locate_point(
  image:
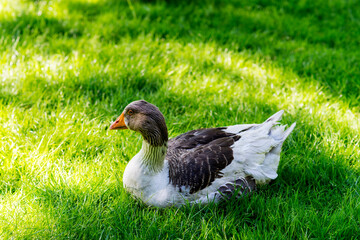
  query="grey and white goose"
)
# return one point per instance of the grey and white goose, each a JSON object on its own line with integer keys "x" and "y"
{"x": 200, "y": 166}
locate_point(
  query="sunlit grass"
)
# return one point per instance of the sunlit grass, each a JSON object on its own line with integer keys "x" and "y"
{"x": 69, "y": 67}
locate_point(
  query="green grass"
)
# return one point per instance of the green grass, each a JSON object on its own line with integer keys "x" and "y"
{"x": 68, "y": 68}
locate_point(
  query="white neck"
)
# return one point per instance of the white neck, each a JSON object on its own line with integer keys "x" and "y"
{"x": 153, "y": 157}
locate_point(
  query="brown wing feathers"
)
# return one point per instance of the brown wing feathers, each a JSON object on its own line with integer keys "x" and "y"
{"x": 196, "y": 158}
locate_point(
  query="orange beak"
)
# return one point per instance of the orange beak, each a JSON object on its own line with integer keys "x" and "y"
{"x": 119, "y": 123}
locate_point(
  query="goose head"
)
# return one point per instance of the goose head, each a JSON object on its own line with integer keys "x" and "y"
{"x": 145, "y": 118}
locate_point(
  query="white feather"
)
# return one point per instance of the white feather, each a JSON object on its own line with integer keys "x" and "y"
{"x": 258, "y": 149}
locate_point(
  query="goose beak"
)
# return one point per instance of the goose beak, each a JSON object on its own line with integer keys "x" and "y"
{"x": 119, "y": 123}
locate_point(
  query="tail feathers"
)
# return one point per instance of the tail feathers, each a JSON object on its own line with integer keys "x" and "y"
{"x": 268, "y": 161}
{"x": 276, "y": 117}
{"x": 259, "y": 148}
{"x": 271, "y": 124}
{"x": 288, "y": 131}
{"x": 280, "y": 134}
{"x": 272, "y": 158}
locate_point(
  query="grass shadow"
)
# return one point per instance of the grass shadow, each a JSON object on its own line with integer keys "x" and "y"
{"x": 308, "y": 39}
{"x": 291, "y": 30}
{"x": 35, "y": 26}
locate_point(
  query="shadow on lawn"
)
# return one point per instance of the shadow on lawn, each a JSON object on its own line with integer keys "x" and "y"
{"x": 302, "y": 38}
{"x": 95, "y": 90}
{"x": 33, "y": 25}
{"x": 309, "y": 39}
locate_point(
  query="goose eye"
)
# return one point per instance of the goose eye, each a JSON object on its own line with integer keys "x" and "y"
{"x": 130, "y": 112}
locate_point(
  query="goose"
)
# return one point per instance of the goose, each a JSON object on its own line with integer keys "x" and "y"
{"x": 199, "y": 166}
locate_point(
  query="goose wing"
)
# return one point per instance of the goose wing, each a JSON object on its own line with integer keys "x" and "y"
{"x": 196, "y": 158}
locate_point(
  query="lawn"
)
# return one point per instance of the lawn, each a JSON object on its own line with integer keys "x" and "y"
{"x": 68, "y": 68}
